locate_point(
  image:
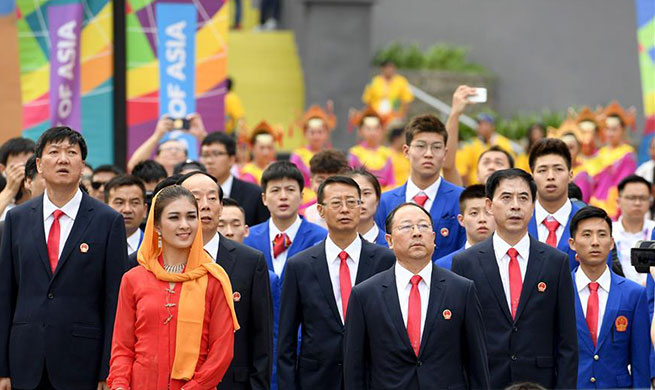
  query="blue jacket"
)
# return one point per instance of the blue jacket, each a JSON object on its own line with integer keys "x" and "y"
{"x": 563, "y": 243}
{"x": 608, "y": 362}
{"x": 447, "y": 261}
{"x": 308, "y": 235}
{"x": 444, "y": 211}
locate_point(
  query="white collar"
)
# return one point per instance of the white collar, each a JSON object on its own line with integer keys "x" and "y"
{"x": 70, "y": 209}
{"x": 226, "y": 186}
{"x": 648, "y": 225}
{"x": 467, "y": 245}
{"x": 372, "y": 235}
{"x": 353, "y": 250}
{"x": 582, "y": 280}
{"x": 135, "y": 238}
{"x": 291, "y": 231}
{"x": 212, "y": 246}
{"x": 501, "y": 246}
{"x": 403, "y": 275}
{"x": 431, "y": 191}
{"x": 561, "y": 215}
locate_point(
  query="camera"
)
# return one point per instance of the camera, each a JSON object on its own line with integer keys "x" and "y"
{"x": 642, "y": 256}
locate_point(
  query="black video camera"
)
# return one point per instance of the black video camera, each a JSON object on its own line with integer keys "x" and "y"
{"x": 642, "y": 256}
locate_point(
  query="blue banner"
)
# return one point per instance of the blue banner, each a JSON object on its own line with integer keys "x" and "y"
{"x": 7, "y": 7}
{"x": 176, "y": 52}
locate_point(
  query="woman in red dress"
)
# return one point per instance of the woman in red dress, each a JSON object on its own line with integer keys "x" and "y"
{"x": 175, "y": 320}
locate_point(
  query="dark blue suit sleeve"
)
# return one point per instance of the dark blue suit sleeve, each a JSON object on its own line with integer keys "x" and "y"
{"x": 261, "y": 312}
{"x": 566, "y": 338}
{"x": 7, "y": 295}
{"x": 475, "y": 350}
{"x": 640, "y": 345}
{"x": 355, "y": 342}
{"x": 290, "y": 318}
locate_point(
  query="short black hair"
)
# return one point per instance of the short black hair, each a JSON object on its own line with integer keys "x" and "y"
{"x": 182, "y": 178}
{"x": 330, "y": 161}
{"x": 149, "y": 171}
{"x": 370, "y": 177}
{"x": 427, "y": 123}
{"x": 107, "y": 168}
{"x": 546, "y": 146}
{"x": 60, "y": 134}
{"x": 575, "y": 192}
{"x": 497, "y": 148}
{"x": 30, "y": 168}
{"x": 588, "y": 213}
{"x": 633, "y": 179}
{"x": 282, "y": 170}
{"x": 229, "y": 202}
{"x": 124, "y": 181}
{"x": 167, "y": 182}
{"x": 14, "y": 147}
{"x": 189, "y": 164}
{"x": 396, "y": 132}
{"x": 506, "y": 174}
{"x": 336, "y": 180}
{"x": 219, "y": 137}
{"x": 475, "y": 191}
{"x": 387, "y": 62}
{"x": 388, "y": 222}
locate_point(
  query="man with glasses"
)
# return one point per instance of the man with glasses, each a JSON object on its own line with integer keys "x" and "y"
{"x": 425, "y": 147}
{"x": 101, "y": 175}
{"x": 632, "y": 226}
{"x": 316, "y": 288}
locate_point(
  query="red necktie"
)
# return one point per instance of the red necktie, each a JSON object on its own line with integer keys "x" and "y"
{"x": 414, "y": 315}
{"x": 420, "y": 199}
{"x": 281, "y": 242}
{"x": 592, "y": 311}
{"x": 53, "y": 240}
{"x": 552, "y": 226}
{"x": 344, "y": 282}
{"x": 515, "y": 282}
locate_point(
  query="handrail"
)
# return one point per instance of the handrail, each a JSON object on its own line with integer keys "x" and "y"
{"x": 440, "y": 106}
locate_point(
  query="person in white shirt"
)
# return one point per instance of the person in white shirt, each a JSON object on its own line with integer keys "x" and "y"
{"x": 371, "y": 192}
{"x": 647, "y": 169}
{"x": 127, "y": 195}
{"x": 632, "y": 226}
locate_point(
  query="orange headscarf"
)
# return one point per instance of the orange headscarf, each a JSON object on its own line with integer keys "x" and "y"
{"x": 191, "y": 309}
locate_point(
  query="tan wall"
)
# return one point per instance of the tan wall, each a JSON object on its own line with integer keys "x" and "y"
{"x": 10, "y": 104}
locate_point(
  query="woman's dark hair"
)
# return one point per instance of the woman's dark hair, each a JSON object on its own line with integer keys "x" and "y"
{"x": 371, "y": 179}
{"x": 59, "y": 134}
{"x": 506, "y": 174}
{"x": 169, "y": 194}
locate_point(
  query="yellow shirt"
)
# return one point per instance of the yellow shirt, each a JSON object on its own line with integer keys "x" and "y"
{"x": 233, "y": 111}
{"x": 400, "y": 167}
{"x": 386, "y": 97}
{"x": 466, "y": 159}
{"x": 252, "y": 173}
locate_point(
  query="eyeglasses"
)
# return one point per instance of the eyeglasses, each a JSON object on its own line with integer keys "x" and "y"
{"x": 97, "y": 184}
{"x": 336, "y": 204}
{"x": 421, "y": 147}
{"x": 422, "y": 227}
{"x": 171, "y": 149}
{"x": 213, "y": 154}
{"x": 636, "y": 198}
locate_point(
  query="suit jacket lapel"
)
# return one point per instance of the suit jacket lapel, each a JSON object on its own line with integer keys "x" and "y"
{"x": 82, "y": 219}
{"x": 323, "y": 276}
{"x": 532, "y": 272}
{"x": 581, "y": 321}
{"x": 267, "y": 252}
{"x": 434, "y": 304}
{"x": 563, "y": 244}
{"x": 365, "y": 269}
{"x": 225, "y": 255}
{"x": 489, "y": 266}
{"x": 390, "y": 295}
{"x": 611, "y": 309}
{"x": 437, "y": 207}
{"x": 38, "y": 234}
{"x": 299, "y": 241}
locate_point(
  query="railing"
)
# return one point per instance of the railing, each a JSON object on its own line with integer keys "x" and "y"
{"x": 440, "y": 106}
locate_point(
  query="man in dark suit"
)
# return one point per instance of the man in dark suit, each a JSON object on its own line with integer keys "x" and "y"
{"x": 526, "y": 292}
{"x": 218, "y": 154}
{"x": 246, "y": 267}
{"x": 316, "y": 288}
{"x": 416, "y": 325}
{"x": 61, "y": 263}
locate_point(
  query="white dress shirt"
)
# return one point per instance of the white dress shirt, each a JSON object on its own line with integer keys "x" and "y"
{"x": 500, "y": 249}
{"x": 404, "y": 287}
{"x": 582, "y": 282}
{"x": 133, "y": 241}
{"x": 66, "y": 221}
{"x": 646, "y": 169}
{"x": 334, "y": 263}
{"x": 624, "y": 241}
{"x": 212, "y": 246}
{"x": 226, "y": 186}
{"x": 561, "y": 216}
{"x": 9, "y": 207}
{"x": 431, "y": 192}
{"x": 281, "y": 260}
{"x": 372, "y": 235}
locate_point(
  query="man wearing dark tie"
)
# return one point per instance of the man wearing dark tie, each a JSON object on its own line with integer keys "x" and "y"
{"x": 526, "y": 292}
{"x": 316, "y": 288}
{"x": 246, "y": 267}
{"x": 62, "y": 258}
{"x": 416, "y": 325}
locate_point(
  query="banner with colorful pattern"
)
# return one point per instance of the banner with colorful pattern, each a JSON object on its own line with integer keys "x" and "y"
{"x": 646, "y": 43}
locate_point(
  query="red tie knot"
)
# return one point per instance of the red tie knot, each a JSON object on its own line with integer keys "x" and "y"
{"x": 57, "y": 213}
{"x": 513, "y": 253}
{"x": 343, "y": 256}
{"x": 593, "y": 286}
{"x": 420, "y": 199}
{"x": 415, "y": 280}
{"x": 551, "y": 224}
{"x": 281, "y": 242}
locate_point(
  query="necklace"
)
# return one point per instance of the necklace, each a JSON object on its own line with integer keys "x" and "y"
{"x": 174, "y": 269}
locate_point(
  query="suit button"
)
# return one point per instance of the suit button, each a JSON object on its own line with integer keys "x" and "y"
{"x": 419, "y": 363}
{"x": 592, "y": 380}
{"x": 514, "y": 357}
{"x": 596, "y": 357}
{"x": 51, "y": 296}
{"x": 515, "y": 329}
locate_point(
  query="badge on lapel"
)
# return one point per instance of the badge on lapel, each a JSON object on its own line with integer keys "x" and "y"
{"x": 541, "y": 287}
{"x": 621, "y": 323}
{"x": 447, "y": 314}
{"x": 236, "y": 296}
{"x": 445, "y": 232}
{"x": 84, "y": 247}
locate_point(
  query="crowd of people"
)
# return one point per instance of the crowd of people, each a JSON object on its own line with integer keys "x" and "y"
{"x": 418, "y": 265}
